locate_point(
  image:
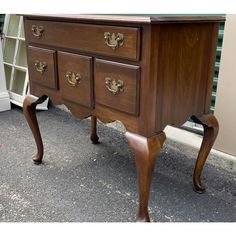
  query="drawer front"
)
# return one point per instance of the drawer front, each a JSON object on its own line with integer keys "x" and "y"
{"x": 122, "y": 42}
{"x": 75, "y": 79}
{"x": 117, "y": 86}
{"x": 41, "y": 64}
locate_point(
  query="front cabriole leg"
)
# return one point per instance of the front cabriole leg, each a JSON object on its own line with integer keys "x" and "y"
{"x": 145, "y": 150}
{"x": 29, "y": 109}
{"x": 211, "y": 127}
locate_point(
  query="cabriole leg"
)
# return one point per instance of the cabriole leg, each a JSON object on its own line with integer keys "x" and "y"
{"x": 29, "y": 109}
{"x": 93, "y": 136}
{"x": 211, "y": 127}
{"x": 145, "y": 150}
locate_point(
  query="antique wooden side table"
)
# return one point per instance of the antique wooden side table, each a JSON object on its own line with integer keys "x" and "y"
{"x": 145, "y": 71}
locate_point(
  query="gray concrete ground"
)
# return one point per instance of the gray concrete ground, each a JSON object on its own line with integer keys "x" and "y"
{"x": 81, "y": 182}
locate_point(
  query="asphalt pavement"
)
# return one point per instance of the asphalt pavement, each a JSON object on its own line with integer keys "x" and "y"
{"x": 82, "y": 182}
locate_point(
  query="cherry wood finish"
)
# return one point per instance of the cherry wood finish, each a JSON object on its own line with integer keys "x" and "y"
{"x": 133, "y": 19}
{"x": 82, "y": 93}
{"x": 47, "y": 78}
{"x": 126, "y": 100}
{"x": 93, "y": 136}
{"x": 211, "y": 128}
{"x": 145, "y": 150}
{"x": 166, "y": 66}
{"x": 185, "y": 66}
{"x": 84, "y": 37}
{"x": 29, "y": 109}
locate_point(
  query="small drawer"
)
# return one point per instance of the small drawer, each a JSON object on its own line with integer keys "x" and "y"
{"x": 41, "y": 64}
{"x": 75, "y": 78}
{"x": 121, "y": 42}
{"x": 117, "y": 86}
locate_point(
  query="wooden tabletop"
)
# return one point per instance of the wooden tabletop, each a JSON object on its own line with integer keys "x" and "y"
{"x": 145, "y": 19}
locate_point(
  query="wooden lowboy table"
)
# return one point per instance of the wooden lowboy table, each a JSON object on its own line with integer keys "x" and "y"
{"x": 145, "y": 71}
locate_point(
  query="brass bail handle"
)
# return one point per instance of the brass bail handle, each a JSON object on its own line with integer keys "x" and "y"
{"x": 37, "y": 31}
{"x": 113, "y": 40}
{"x": 73, "y": 78}
{"x": 40, "y": 66}
{"x": 114, "y": 86}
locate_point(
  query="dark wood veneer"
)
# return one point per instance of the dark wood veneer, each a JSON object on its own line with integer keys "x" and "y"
{"x": 166, "y": 65}
{"x": 89, "y": 38}
{"x": 127, "y": 100}
{"x": 83, "y": 92}
{"x": 127, "y": 19}
{"x": 184, "y": 68}
{"x": 49, "y": 77}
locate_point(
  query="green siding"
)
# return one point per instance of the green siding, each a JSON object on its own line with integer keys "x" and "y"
{"x": 217, "y": 65}
{"x": 2, "y": 16}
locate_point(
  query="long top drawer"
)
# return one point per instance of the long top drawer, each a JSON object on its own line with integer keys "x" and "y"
{"x": 121, "y": 42}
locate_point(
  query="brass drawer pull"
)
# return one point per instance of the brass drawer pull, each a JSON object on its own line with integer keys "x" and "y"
{"x": 37, "y": 31}
{"x": 113, "y": 41}
{"x": 73, "y": 78}
{"x": 40, "y": 66}
{"x": 114, "y": 86}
